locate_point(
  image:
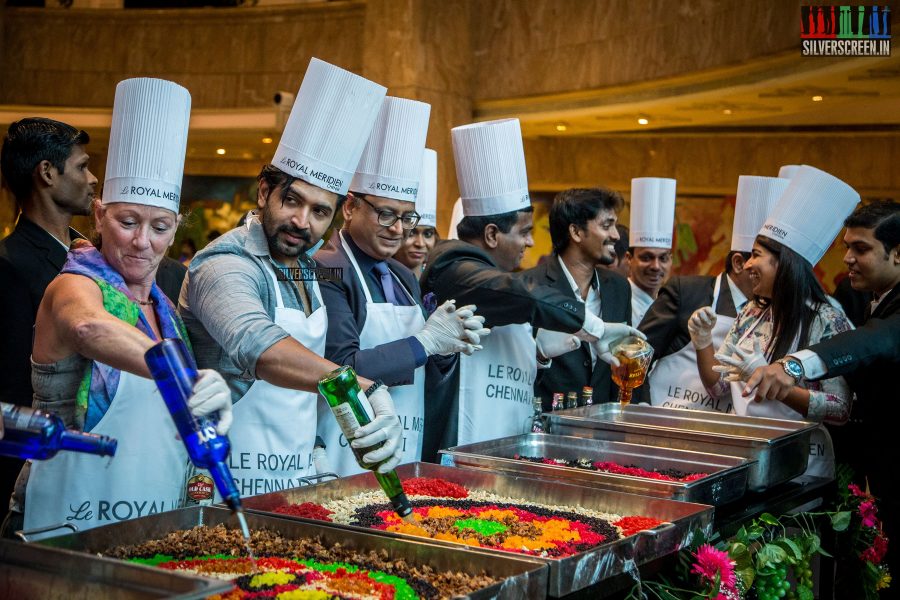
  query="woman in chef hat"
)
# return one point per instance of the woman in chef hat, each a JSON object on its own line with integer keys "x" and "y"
{"x": 100, "y": 316}
{"x": 421, "y": 240}
{"x": 790, "y": 310}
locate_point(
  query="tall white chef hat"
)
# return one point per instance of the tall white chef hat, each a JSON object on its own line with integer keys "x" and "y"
{"x": 810, "y": 213}
{"x": 652, "y": 212}
{"x": 329, "y": 125}
{"x": 756, "y": 198}
{"x": 788, "y": 171}
{"x": 391, "y": 163}
{"x": 426, "y": 201}
{"x": 147, "y": 143}
{"x": 490, "y": 167}
{"x": 455, "y": 218}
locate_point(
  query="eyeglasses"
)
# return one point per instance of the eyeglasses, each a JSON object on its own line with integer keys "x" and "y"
{"x": 387, "y": 218}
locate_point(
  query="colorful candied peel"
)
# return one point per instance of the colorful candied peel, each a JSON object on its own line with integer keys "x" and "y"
{"x": 615, "y": 468}
{"x": 306, "y": 510}
{"x": 289, "y": 579}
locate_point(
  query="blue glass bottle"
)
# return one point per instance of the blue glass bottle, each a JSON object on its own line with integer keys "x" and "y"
{"x": 175, "y": 372}
{"x": 35, "y": 434}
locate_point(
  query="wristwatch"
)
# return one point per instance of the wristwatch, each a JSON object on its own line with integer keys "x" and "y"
{"x": 793, "y": 367}
{"x": 375, "y": 385}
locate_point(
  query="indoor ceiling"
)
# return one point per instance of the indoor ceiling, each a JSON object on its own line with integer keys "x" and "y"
{"x": 787, "y": 93}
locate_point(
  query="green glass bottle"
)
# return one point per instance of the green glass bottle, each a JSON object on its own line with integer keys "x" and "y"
{"x": 352, "y": 410}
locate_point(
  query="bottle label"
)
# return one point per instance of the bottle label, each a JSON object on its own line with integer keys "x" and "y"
{"x": 347, "y": 421}
{"x": 200, "y": 489}
{"x": 22, "y": 419}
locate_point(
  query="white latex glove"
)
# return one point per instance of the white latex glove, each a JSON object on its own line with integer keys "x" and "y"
{"x": 612, "y": 334}
{"x": 385, "y": 427}
{"x": 445, "y": 332}
{"x": 211, "y": 395}
{"x": 474, "y": 324}
{"x": 700, "y": 326}
{"x": 551, "y": 344}
{"x": 738, "y": 364}
{"x": 592, "y": 329}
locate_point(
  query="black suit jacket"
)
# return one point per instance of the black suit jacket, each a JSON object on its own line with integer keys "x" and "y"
{"x": 29, "y": 260}
{"x": 170, "y": 277}
{"x": 574, "y": 370}
{"x": 393, "y": 362}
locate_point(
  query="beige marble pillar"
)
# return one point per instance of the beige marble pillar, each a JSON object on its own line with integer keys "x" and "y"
{"x": 421, "y": 49}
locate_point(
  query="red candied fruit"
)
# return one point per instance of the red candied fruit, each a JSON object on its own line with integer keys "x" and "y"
{"x": 631, "y": 525}
{"x": 307, "y": 510}
{"x": 430, "y": 486}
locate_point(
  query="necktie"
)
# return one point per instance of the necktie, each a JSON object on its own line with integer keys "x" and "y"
{"x": 387, "y": 281}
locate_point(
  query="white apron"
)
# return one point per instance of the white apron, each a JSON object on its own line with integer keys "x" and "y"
{"x": 274, "y": 427}
{"x": 385, "y": 322}
{"x": 821, "y": 450}
{"x": 496, "y": 385}
{"x": 146, "y": 476}
{"x": 675, "y": 381}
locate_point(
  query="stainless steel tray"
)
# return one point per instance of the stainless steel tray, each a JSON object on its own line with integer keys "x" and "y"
{"x": 566, "y": 574}
{"x": 32, "y": 571}
{"x": 779, "y": 447}
{"x": 523, "y": 577}
{"x": 726, "y": 480}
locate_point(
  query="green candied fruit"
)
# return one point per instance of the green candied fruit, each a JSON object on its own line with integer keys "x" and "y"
{"x": 482, "y": 526}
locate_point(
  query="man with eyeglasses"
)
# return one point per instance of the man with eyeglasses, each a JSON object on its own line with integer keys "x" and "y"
{"x": 376, "y": 321}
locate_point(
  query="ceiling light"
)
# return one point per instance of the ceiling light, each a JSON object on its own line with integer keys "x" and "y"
{"x": 220, "y": 151}
{"x": 561, "y": 126}
{"x": 817, "y": 98}
{"x": 267, "y": 140}
{"x": 643, "y": 121}
{"x": 727, "y": 111}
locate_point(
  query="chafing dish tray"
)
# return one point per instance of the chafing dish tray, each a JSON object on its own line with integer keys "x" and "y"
{"x": 725, "y": 482}
{"x": 567, "y": 574}
{"x": 523, "y": 577}
{"x": 32, "y": 571}
{"x": 779, "y": 447}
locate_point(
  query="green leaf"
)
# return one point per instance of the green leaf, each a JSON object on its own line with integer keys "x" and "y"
{"x": 769, "y": 556}
{"x": 755, "y": 532}
{"x": 769, "y": 519}
{"x": 841, "y": 520}
{"x": 791, "y": 548}
{"x": 804, "y": 593}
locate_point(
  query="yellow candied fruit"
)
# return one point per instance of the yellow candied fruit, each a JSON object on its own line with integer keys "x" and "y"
{"x": 408, "y": 529}
{"x": 517, "y": 542}
{"x": 558, "y": 530}
{"x": 497, "y": 515}
{"x": 437, "y": 512}
{"x": 303, "y": 595}
{"x": 271, "y": 578}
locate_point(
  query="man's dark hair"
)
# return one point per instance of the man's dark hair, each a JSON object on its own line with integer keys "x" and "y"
{"x": 275, "y": 178}
{"x": 884, "y": 217}
{"x": 576, "y": 207}
{"x": 728, "y": 266}
{"x": 622, "y": 243}
{"x": 27, "y": 143}
{"x": 472, "y": 228}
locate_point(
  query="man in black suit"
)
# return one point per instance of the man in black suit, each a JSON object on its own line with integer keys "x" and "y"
{"x": 868, "y": 358}
{"x": 45, "y": 166}
{"x": 584, "y": 233}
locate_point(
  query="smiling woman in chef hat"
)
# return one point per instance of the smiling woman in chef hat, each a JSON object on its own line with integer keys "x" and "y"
{"x": 421, "y": 240}
{"x": 790, "y": 310}
{"x": 100, "y": 316}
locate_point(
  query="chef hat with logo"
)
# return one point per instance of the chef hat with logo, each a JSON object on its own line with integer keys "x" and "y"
{"x": 756, "y": 198}
{"x": 455, "y": 217}
{"x": 810, "y": 213}
{"x": 391, "y": 163}
{"x": 147, "y": 143}
{"x": 652, "y": 212}
{"x": 328, "y": 127}
{"x": 426, "y": 201}
{"x": 490, "y": 167}
{"x": 788, "y": 171}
